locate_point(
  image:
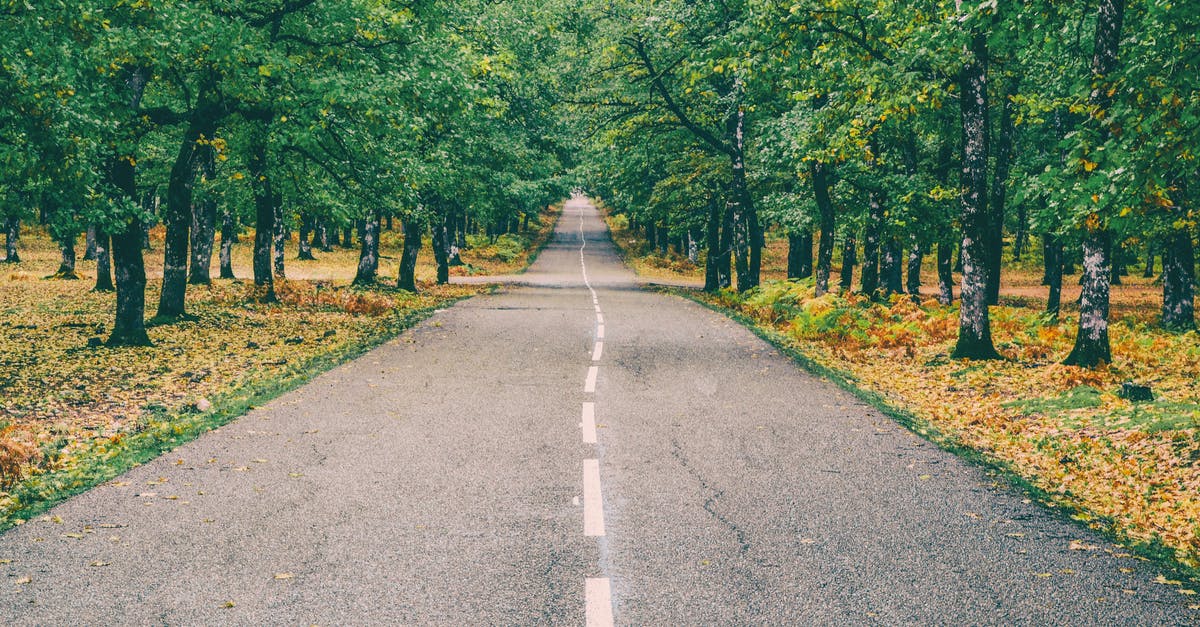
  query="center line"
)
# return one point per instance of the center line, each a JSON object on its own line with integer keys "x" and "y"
{"x": 599, "y": 317}
{"x": 593, "y": 504}
{"x": 598, "y": 607}
{"x": 589, "y": 423}
{"x": 600, "y": 332}
{"x": 589, "y": 386}
{"x": 596, "y": 352}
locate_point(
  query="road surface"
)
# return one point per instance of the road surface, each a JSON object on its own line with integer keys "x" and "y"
{"x": 571, "y": 450}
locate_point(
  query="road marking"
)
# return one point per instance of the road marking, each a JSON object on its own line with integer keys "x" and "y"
{"x": 598, "y": 608}
{"x": 600, "y": 332}
{"x": 599, "y": 317}
{"x": 593, "y": 504}
{"x": 589, "y": 423}
{"x": 596, "y": 352}
{"x": 589, "y": 386}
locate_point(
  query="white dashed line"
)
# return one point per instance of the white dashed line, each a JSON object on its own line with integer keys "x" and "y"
{"x": 598, "y": 608}
{"x": 600, "y": 318}
{"x": 600, "y": 332}
{"x": 593, "y": 504}
{"x": 596, "y": 352}
{"x": 589, "y": 386}
{"x": 588, "y": 424}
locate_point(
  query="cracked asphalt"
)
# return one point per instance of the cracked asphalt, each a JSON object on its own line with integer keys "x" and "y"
{"x": 437, "y": 480}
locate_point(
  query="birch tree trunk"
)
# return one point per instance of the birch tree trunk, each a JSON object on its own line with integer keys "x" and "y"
{"x": 974, "y": 324}
{"x": 12, "y": 232}
{"x": 1091, "y": 342}
{"x": 368, "y": 256}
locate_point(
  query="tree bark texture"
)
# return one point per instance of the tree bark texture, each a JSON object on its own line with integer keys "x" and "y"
{"x": 265, "y": 211}
{"x": 1091, "y": 342}
{"x": 104, "y": 280}
{"x": 368, "y": 256}
{"x": 871, "y": 235}
{"x": 849, "y": 258}
{"x": 305, "y": 245}
{"x": 12, "y": 232}
{"x": 821, "y": 184}
{"x": 204, "y": 218}
{"x": 996, "y": 205}
{"x": 89, "y": 243}
{"x": 279, "y": 238}
{"x": 800, "y": 255}
{"x": 945, "y": 271}
{"x": 916, "y": 254}
{"x": 408, "y": 257}
{"x": 1178, "y": 279}
{"x": 178, "y": 218}
{"x": 228, "y": 237}
{"x": 1053, "y": 253}
{"x": 974, "y": 323}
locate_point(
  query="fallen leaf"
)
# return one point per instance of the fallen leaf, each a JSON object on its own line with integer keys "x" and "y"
{"x": 24, "y": 580}
{"x": 73, "y": 535}
{"x": 925, "y": 477}
{"x": 1187, "y": 591}
{"x": 1080, "y": 545}
{"x": 1043, "y": 575}
{"x": 284, "y": 575}
{"x": 228, "y": 604}
{"x": 1016, "y": 534}
{"x": 98, "y": 564}
{"x": 807, "y": 541}
{"x": 1125, "y": 570}
{"x": 1167, "y": 582}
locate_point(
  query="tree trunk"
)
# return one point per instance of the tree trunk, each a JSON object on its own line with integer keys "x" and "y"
{"x": 264, "y": 212}
{"x": 390, "y": 224}
{"x": 204, "y": 219}
{"x": 279, "y": 238}
{"x": 664, "y": 240}
{"x": 916, "y": 255}
{"x": 1021, "y": 241}
{"x": 870, "y": 261}
{"x": 1003, "y": 161}
{"x": 892, "y": 262}
{"x": 1178, "y": 279}
{"x": 821, "y": 184}
{"x": 849, "y": 258}
{"x": 178, "y": 220}
{"x": 129, "y": 328}
{"x": 1091, "y": 342}
{"x": 747, "y": 231}
{"x": 1148, "y": 272}
{"x": 945, "y": 271}
{"x": 306, "y": 229}
{"x": 347, "y": 237}
{"x": 104, "y": 280}
{"x": 368, "y": 256}
{"x": 89, "y": 243}
{"x": 800, "y": 255}
{"x": 66, "y": 268}
{"x": 725, "y": 252}
{"x": 974, "y": 323}
{"x": 228, "y": 237}
{"x": 441, "y": 248}
{"x": 12, "y": 231}
{"x": 408, "y": 258}
{"x": 322, "y": 237}
{"x": 1054, "y": 274}
{"x": 712, "y": 275}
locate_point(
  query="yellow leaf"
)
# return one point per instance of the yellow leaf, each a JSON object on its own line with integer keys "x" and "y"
{"x": 1089, "y": 166}
{"x": 284, "y": 575}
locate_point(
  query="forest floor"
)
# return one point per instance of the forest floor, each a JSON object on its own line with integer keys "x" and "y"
{"x": 72, "y": 415}
{"x": 1132, "y": 469}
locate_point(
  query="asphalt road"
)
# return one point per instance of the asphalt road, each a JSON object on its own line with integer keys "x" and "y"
{"x": 478, "y": 471}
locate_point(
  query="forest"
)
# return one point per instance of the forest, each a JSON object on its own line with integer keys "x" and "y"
{"x": 903, "y": 185}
